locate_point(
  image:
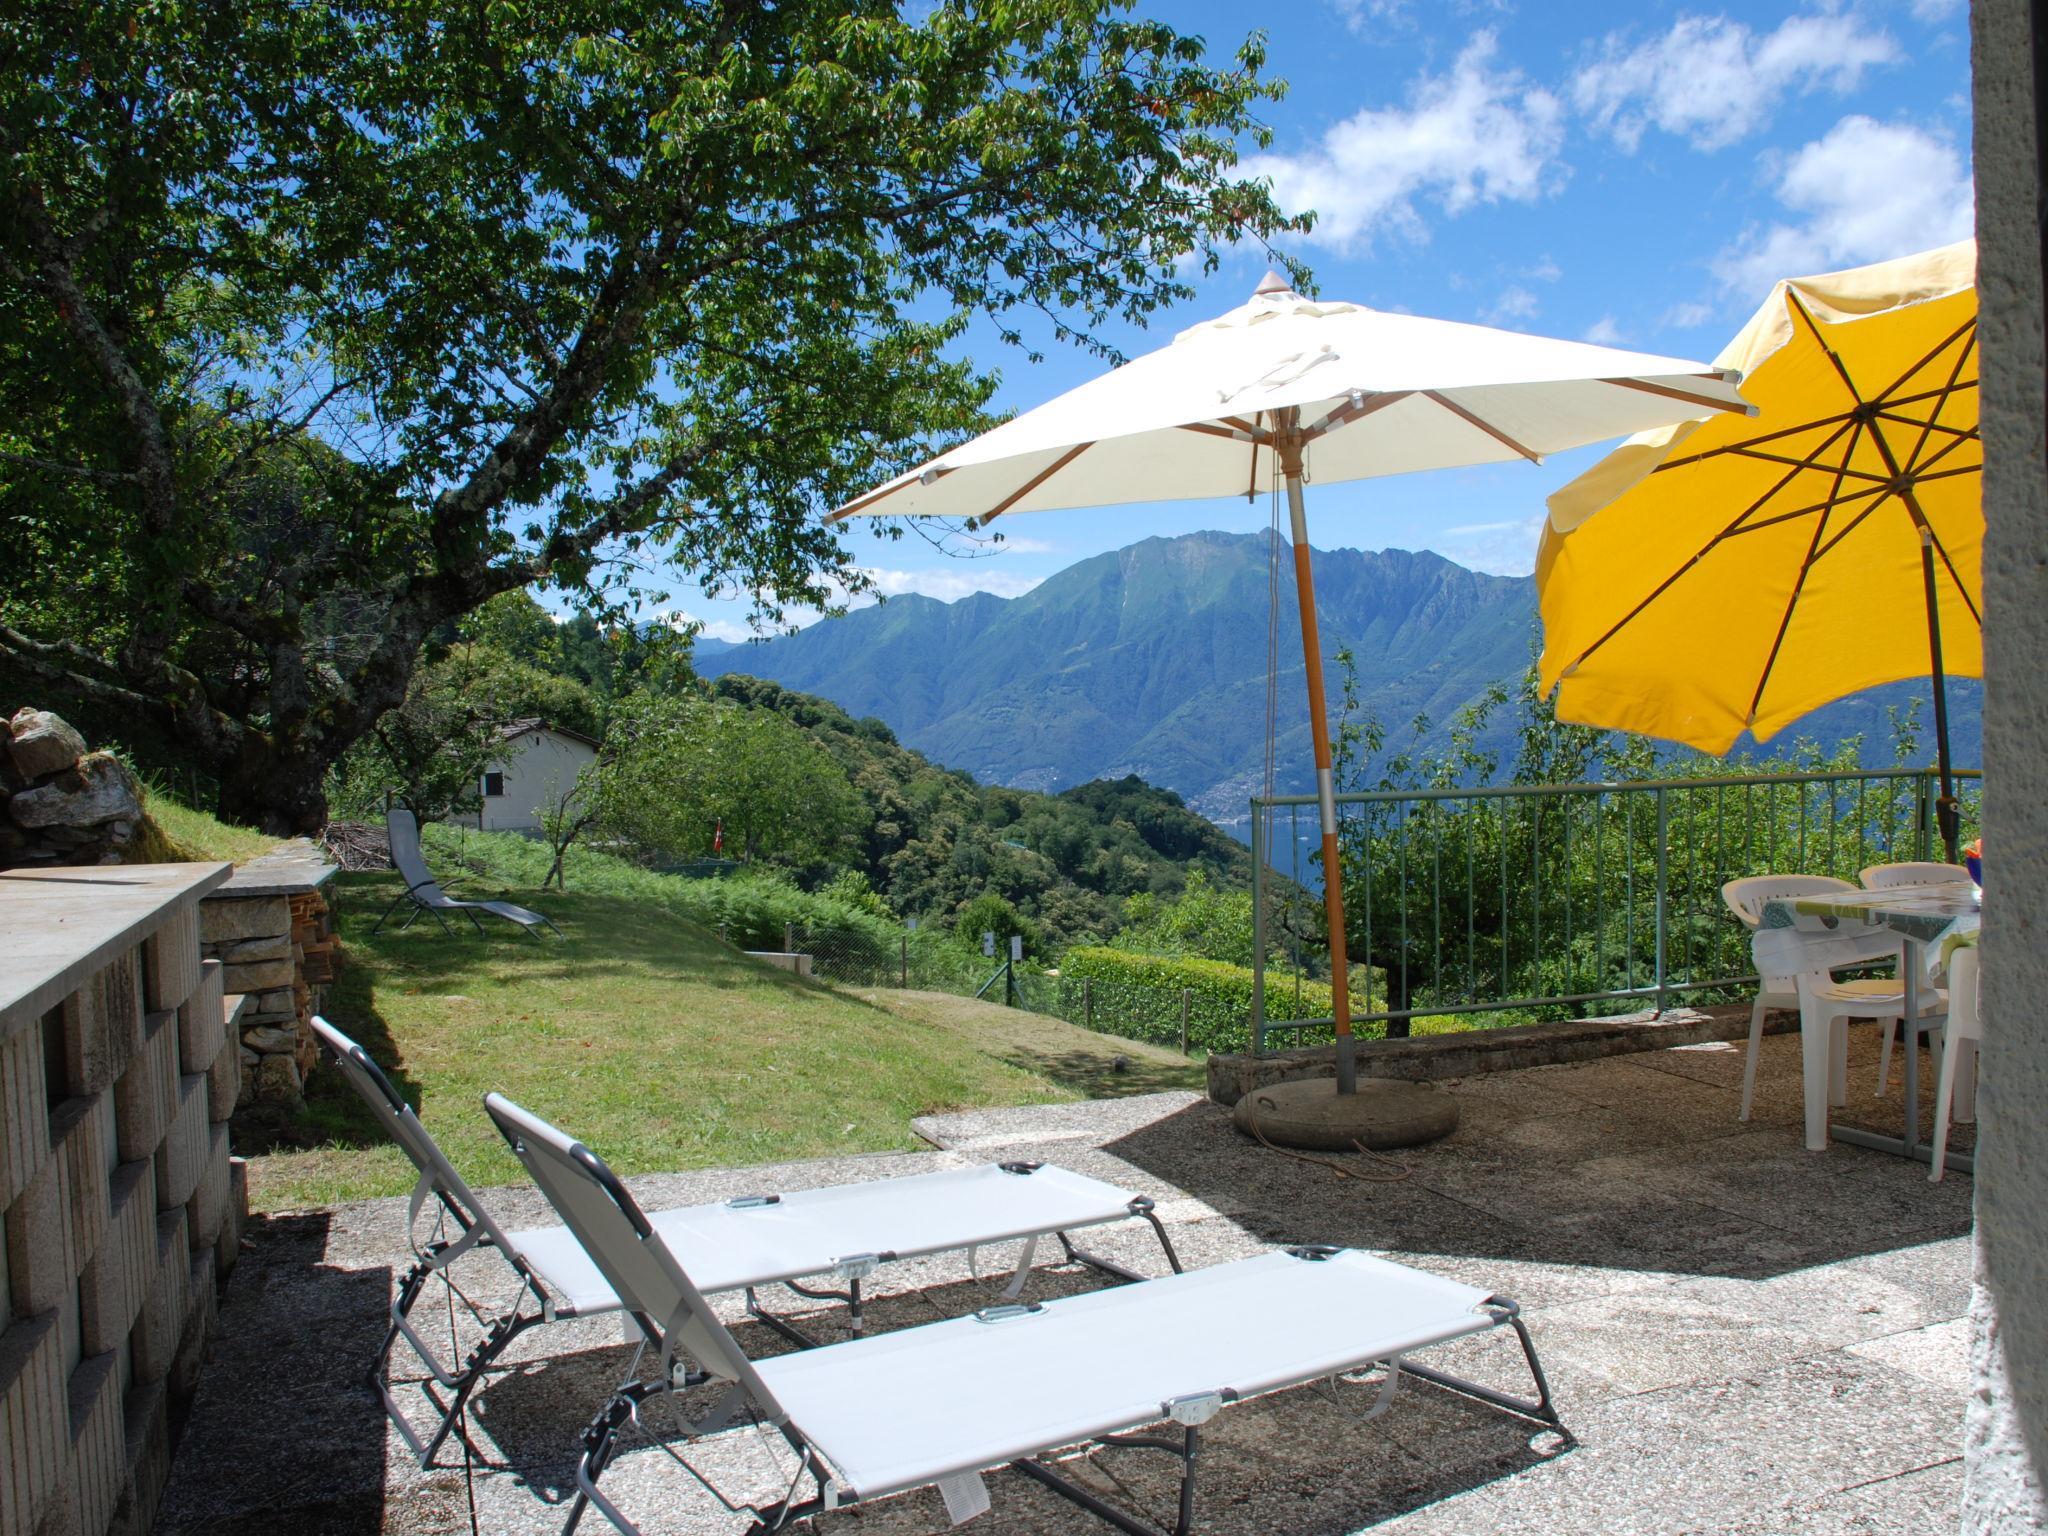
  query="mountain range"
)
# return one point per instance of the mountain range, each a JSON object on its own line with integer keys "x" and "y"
{"x": 1152, "y": 660}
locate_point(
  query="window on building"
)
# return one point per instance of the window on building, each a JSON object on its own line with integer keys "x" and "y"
{"x": 494, "y": 784}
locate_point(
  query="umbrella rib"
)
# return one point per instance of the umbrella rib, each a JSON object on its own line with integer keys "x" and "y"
{"x": 1820, "y": 527}
{"x": 1344, "y": 415}
{"x": 1034, "y": 483}
{"x": 1691, "y": 397}
{"x": 1807, "y": 511}
{"x": 1809, "y": 425}
{"x": 1947, "y": 391}
{"x": 855, "y": 507}
{"x": 1482, "y": 424}
{"x": 1807, "y": 463}
{"x": 1829, "y": 352}
{"x": 1955, "y": 576}
{"x": 1228, "y": 434}
{"x": 1672, "y": 580}
{"x": 1968, "y": 327}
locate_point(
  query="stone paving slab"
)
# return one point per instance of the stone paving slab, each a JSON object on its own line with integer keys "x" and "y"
{"x": 1745, "y": 1339}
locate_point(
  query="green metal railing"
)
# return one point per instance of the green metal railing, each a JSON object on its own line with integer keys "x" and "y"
{"x": 1535, "y": 900}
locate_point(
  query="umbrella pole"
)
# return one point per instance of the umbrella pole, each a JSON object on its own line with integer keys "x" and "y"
{"x": 1326, "y": 784}
{"x": 1947, "y": 812}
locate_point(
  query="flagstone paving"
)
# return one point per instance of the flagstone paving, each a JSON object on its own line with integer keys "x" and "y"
{"x": 1743, "y": 1337}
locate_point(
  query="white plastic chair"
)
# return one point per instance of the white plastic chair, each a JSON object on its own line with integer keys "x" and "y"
{"x": 1890, "y": 877}
{"x": 1883, "y": 877}
{"x": 1825, "y": 1007}
{"x": 1965, "y": 1030}
{"x": 1746, "y": 898}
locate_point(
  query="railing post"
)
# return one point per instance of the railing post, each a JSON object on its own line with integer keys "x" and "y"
{"x": 1923, "y": 815}
{"x": 1258, "y": 932}
{"x": 789, "y": 938}
{"x": 1663, "y": 887}
{"x": 1187, "y": 997}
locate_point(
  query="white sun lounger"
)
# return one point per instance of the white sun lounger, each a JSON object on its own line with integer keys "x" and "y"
{"x": 839, "y": 1233}
{"x": 941, "y": 1403}
{"x": 402, "y": 831}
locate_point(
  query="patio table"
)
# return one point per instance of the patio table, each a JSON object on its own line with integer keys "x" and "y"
{"x": 1918, "y": 916}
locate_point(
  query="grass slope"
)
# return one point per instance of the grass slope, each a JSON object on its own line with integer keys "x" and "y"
{"x": 646, "y": 1037}
{"x": 186, "y": 835}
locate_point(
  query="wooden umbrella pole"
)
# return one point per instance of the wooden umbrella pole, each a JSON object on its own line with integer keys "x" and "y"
{"x": 1289, "y": 444}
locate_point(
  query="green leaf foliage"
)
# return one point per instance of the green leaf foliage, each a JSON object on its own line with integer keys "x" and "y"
{"x": 326, "y": 323}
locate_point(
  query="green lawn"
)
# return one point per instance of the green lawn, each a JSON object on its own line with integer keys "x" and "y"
{"x": 642, "y": 1035}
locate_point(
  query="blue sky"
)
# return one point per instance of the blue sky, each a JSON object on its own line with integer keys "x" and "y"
{"x": 1634, "y": 174}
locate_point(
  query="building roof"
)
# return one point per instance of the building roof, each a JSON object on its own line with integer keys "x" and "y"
{"x": 512, "y": 729}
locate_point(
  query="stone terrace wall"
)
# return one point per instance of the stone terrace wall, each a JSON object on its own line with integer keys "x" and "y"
{"x": 271, "y": 928}
{"x": 122, "y": 1208}
{"x": 60, "y": 804}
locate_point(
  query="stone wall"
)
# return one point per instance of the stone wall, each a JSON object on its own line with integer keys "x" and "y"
{"x": 123, "y": 1210}
{"x": 2005, "y": 1440}
{"x": 60, "y": 804}
{"x": 271, "y": 929}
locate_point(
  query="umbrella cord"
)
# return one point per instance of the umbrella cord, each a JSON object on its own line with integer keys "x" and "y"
{"x": 1272, "y": 652}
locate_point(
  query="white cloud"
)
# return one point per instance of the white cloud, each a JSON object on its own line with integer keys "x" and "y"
{"x": 1479, "y": 134}
{"x": 1713, "y": 81}
{"x": 1685, "y": 317}
{"x": 1500, "y": 549}
{"x": 1932, "y": 11}
{"x": 1360, "y": 16}
{"x": 1514, "y": 303}
{"x": 1865, "y": 191}
{"x": 1545, "y": 271}
{"x": 1016, "y": 546}
{"x": 950, "y": 582}
{"x": 1603, "y": 333}
{"x": 713, "y": 629}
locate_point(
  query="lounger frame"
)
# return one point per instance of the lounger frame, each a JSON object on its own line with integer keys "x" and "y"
{"x": 426, "y": 895}
{"x": 534, "y": 1304}
{"x": 601, "y": 1443}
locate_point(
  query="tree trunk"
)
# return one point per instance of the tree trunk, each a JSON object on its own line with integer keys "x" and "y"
{"x": 277, "y": 786}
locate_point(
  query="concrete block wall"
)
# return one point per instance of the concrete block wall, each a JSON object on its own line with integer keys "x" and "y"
{"x": 120, "y": 1213}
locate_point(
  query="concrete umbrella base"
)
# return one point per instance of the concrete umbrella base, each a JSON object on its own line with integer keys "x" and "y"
{"x": 1384, "y": 1113}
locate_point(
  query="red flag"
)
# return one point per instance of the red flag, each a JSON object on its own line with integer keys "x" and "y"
{"x": 718, "y": 837}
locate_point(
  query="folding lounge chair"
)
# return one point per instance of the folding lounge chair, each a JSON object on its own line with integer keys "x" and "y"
{"x": 425, "y": 893}
{"x": 844, "y": 1232}
{"x": 942, "y": 1402}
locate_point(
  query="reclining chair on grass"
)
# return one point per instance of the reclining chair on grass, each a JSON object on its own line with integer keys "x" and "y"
{"x": 843, "y": 1231}
{"x": 940, "y": 1403}
{"x": 425, "y": 893}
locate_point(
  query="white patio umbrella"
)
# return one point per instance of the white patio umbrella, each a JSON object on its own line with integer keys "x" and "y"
{"x": 1283, "y": 387}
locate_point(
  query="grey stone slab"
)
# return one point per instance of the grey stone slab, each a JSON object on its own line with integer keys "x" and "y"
{"x": 1743, "y": 1337}
{"x": 1095, "y": 1120}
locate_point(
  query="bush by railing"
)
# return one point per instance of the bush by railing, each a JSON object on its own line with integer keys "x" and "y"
{"x": 1558, "y": 899}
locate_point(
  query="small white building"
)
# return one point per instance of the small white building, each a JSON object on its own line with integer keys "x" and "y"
{"x": 537, "y": 764}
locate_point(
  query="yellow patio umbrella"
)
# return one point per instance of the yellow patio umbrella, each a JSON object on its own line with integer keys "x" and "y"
{"x": 1732, "y": 574}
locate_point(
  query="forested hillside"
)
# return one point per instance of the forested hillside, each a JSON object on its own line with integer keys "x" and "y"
{"x": 1152, "y": 660}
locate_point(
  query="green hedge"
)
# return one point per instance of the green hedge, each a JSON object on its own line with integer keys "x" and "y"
{"x": 1140, "y": 996}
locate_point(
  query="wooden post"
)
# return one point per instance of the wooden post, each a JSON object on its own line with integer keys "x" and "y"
{"x": 1088, "y": 1001}
{"x": 904, "y": 940}
{"x": 789, "y": 938}
{"x": 1187, "y": 997}
{"x": 1289, "y": 444}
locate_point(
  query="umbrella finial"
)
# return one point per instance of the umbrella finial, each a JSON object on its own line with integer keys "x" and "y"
{"x": 1272, "y": 282}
